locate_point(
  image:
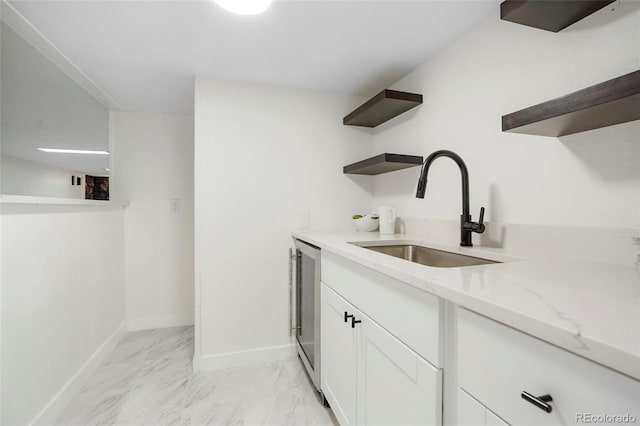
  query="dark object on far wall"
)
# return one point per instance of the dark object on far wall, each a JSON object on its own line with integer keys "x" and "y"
{"x": 96, "y": 188}
{"x": 73, "y": 180}
{"x": 550, "y": 15}
{"x": 383, "y": 163}
{"x": 605, "y": 104}
{"x": 382, "y": 107}
{"x": 78, "y": 180}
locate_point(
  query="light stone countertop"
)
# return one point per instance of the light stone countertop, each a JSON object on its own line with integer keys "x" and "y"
{"x": 590, "y": 309}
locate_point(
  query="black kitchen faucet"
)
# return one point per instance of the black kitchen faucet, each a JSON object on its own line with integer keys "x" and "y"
{"x": 466, "y": 225}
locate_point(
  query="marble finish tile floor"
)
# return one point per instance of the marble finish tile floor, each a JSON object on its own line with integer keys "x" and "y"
{"x": 148, "y": 380}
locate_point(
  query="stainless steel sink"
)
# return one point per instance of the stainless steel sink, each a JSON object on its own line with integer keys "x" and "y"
{"x": 428, "y": 256}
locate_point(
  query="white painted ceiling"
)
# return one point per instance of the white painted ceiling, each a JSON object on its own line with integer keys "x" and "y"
{"x": 43, "y": 107}
{"x": 144, "y": 54}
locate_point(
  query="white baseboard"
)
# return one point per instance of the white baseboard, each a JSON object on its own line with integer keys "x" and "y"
{"x": 56, "y": 405}
{"x": 243, "y": 358}
{"x": 148, "y": 323}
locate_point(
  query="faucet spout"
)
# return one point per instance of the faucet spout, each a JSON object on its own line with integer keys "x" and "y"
{"x": 466, "y": 225}
{"x": 422, "y": 183}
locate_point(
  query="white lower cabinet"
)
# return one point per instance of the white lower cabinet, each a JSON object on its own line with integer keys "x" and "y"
{"x": 529, "y": 382}
{"x": 491, "y": 419}
{"x": 384, "y": 345}
{"x": 338, "y": 356}
{"x": 472, "y": 413}
{"x": 369, "y": 377}
{"x": 395, "y": 385}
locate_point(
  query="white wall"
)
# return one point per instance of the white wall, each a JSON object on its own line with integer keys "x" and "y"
{"x": 153, "y": 165}
{"x": 62, "y": 298}
{"x": 587, "y": 179}
{"x": 263, "y": 157}
{"x": 20, "y": 177}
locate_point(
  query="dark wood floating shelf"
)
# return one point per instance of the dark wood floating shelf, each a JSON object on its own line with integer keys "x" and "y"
{"x": 383, "y": 163}
{"x": 606, "y": 104}
{"x": 382, "y": 107}
{"x": 550, "y": 15}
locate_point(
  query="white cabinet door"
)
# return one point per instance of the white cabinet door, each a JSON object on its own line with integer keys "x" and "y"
{"x": 493, "y": 420}
{"x": 338, "y": 347}
{"x": 470, "y": 411}
{"x": 395, "y": 385}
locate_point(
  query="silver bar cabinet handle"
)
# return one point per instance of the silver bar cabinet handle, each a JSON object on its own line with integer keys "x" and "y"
{"x": 542, "y": 402}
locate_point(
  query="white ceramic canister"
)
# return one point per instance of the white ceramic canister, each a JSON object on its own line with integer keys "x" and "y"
{"x": 387, "y": 220}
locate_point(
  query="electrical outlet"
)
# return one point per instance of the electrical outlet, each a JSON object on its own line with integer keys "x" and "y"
{"x": 175, "y": 205}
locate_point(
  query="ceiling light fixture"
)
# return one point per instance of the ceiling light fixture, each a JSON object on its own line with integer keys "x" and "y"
{"x": 244, "y": 7}
{"x": 74, "y": 151}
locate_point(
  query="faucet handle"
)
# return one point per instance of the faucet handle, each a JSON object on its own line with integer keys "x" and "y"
{"x": 479, "y": 228}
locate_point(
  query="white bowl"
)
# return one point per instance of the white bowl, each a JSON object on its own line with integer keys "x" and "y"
{"x": 367, "y": 223}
